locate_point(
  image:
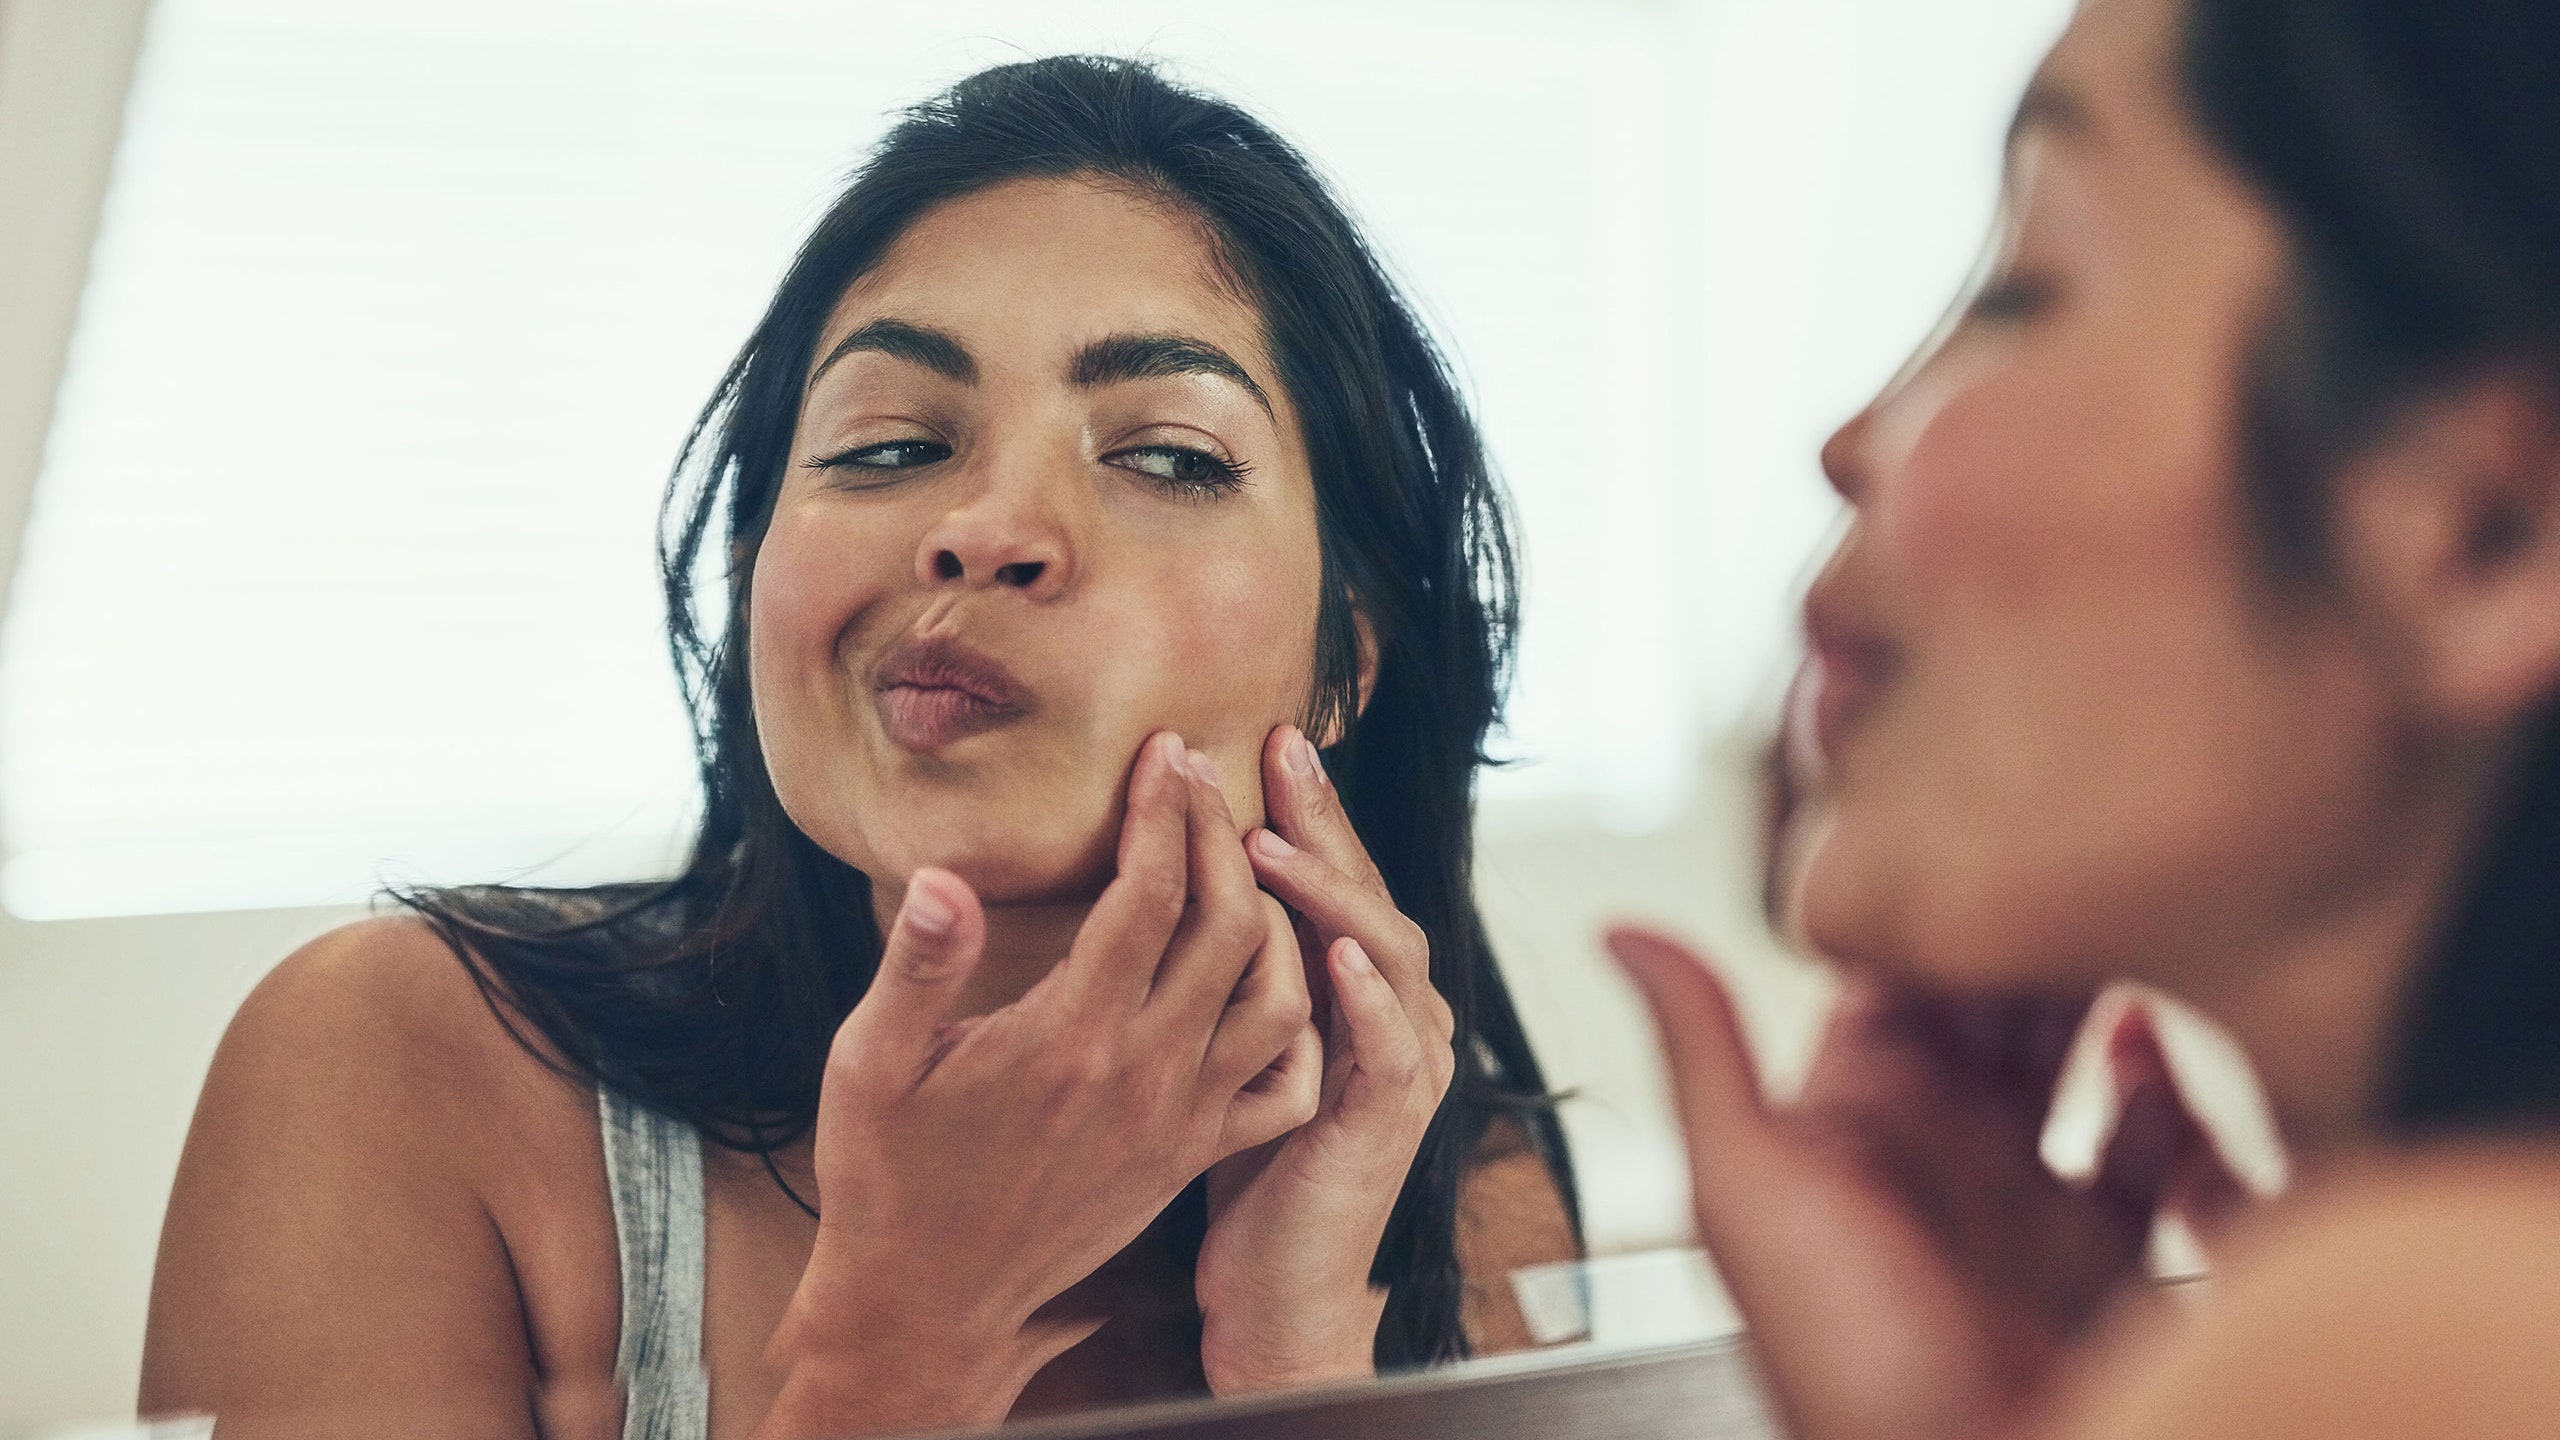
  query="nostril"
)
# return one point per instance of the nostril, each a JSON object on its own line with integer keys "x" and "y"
{"x": 1020, "y": 573}
{"x": 947, "y": 565}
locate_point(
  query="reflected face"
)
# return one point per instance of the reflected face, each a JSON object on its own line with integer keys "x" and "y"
{"x": 1046, "y": 498}
{"x": 2068, "y": 729}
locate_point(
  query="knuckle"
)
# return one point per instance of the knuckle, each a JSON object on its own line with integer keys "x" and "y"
{"x": 1412, "y": 941}
{"x": 1080, "y": 1065}
{"x": 1306, "y": 1096}
{"x": 1284, "y": 1009}
{"x": 1275, "y": 916}
{"x": 1236, "y": 928}
{"x": 1161, "y": 892}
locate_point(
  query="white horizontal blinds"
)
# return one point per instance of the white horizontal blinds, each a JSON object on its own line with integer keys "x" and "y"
{"x": 340, "y": 564}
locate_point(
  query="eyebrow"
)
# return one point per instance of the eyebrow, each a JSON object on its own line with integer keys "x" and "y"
{"x": 915, "y": 344}
{"x": 1114, "y": 359}
{"x": 1111, "y": 360}
{"x": 2049, "y": 106}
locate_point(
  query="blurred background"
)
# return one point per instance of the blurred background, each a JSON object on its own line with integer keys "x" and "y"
{"x": 344, "y": 346}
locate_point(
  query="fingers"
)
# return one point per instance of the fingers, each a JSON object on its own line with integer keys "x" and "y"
{"x": 1113, "y": 961}
{"x": 1279, "y": 1099}
{"x": 933, "y": 946}
{"x": 1713, "y": 1079}
{"x": 1386, "y": 1050}
{"x": 1301, "y": 804}
{"x": 1339, "y": 904}
{"x": 1224, "y": 924}
{"x": 1269, "y": 1010}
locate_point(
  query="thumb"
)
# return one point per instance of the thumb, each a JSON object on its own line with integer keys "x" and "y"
{"x": 1713, "y": 1077}
{"x": 933, "y": 947}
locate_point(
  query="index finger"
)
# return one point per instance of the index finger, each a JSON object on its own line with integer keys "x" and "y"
{"x": 1303, "y": 808}
{"x": 1113, "y": 960}
{"x": 1222, "y": 924}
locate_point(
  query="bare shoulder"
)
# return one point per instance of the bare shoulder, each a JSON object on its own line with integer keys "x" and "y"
{"x": 369, "y": 1144}
{"x": 371, "y": 1033}
{"x": 2417, "y": 1297}
{"x": 1511, "y": 1214}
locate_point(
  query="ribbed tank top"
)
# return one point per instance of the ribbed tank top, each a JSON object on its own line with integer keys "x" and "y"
{"x": 653, "y": 1167}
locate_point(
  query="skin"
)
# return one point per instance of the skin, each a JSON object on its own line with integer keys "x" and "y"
{"x": 390, "y": 1216}
{"x": 2069, "y": 726}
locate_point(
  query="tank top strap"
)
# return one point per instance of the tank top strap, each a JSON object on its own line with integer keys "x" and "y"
{"x": 653, "y": 1167}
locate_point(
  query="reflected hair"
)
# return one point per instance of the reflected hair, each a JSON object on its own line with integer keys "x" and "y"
{"x": 2412, "y": 149}
{"x": 713, "y": 997}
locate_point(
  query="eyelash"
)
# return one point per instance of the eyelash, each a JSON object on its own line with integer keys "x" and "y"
{"x": 2011, "y": 298}
{"x": 1225, "y": 477}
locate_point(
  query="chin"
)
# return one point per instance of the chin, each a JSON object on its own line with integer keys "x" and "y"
{"x": 1008, "y": 862}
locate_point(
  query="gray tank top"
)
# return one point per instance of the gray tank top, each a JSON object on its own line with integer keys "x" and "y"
{"x": 653, "y": 1166}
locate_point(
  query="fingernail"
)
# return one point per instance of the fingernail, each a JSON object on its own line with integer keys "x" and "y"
{"x": 1272, "y": 846}
{"x": 1169, "y": 746}
{"x": 1302, "y": 755}
{"x": 1355, "y": 959}
{"x": 1202, "y": 768}
{"x": 1315, "y": 758}
{"x": 928, "y": 914}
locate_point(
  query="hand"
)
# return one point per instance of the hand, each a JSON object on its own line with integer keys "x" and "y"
{"x": 971, "y": 1168}
{"x": 1907, "y": 1263}
{"x": 1294, "y": 1225}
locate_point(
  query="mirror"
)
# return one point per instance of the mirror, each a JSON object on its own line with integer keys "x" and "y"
{"x": 357, "y": 342}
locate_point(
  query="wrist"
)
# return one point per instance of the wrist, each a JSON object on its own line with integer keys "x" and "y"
{"x": 868, "y": 1358}
{"x": 1336, "y": 1347}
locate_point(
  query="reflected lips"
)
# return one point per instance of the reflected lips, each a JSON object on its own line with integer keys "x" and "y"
{"x": 932, "y": 693}
{"x": 1846, "y": 671}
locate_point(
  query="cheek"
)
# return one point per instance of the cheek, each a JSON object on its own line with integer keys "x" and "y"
{"x": 2092, "y": 730}
{"x": 1237, "y": 652}
{"x": 1232, "y": 654}
{"x": 814, "y": 575}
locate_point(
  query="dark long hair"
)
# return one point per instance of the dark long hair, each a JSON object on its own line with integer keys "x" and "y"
{"x": 713, "y": 996}
{"x": 2412, "y": 148}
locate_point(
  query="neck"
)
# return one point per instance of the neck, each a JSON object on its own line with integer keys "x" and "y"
{"x": 1024, "y": 943}
{"x": 2320, "y": 1011}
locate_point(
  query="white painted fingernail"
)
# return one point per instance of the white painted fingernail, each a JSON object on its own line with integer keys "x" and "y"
{"x": 1272, "y": 846}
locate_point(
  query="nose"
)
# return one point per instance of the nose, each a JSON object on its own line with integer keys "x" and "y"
{"x": 1844, "y": 455}
{"x": 1011, "y": 534}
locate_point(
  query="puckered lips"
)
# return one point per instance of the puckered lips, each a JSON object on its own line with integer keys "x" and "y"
{"x": 934, "y": 691}
{"x": 1848, "y": 667}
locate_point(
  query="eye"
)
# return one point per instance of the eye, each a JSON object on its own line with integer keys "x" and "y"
{"x": 1182, "y": 469}
{"x": 2008, "y": 299}
{"x": 885, "y": 455}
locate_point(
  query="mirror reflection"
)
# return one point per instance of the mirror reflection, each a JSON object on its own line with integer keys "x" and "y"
{"x": 1050, "y": 920}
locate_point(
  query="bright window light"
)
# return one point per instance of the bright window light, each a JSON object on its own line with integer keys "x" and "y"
{"x": 339, "y": 569}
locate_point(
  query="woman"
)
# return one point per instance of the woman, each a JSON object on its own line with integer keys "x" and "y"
{"x": 1083, "y": 480}
{"x": 2200, "y": 624}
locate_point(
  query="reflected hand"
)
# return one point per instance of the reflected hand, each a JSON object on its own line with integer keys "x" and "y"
{"x": 972, "y": 1168}
{"x": 1294, "y": 1225}
{"x": 1907, "y": 1263}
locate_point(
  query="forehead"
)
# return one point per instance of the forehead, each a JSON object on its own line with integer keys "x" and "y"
{"x": 1031, "y": 270}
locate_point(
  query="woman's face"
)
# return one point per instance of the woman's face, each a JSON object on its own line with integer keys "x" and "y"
{"x": 1047, "y": 497}
{"x": 2070, "y": 730}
